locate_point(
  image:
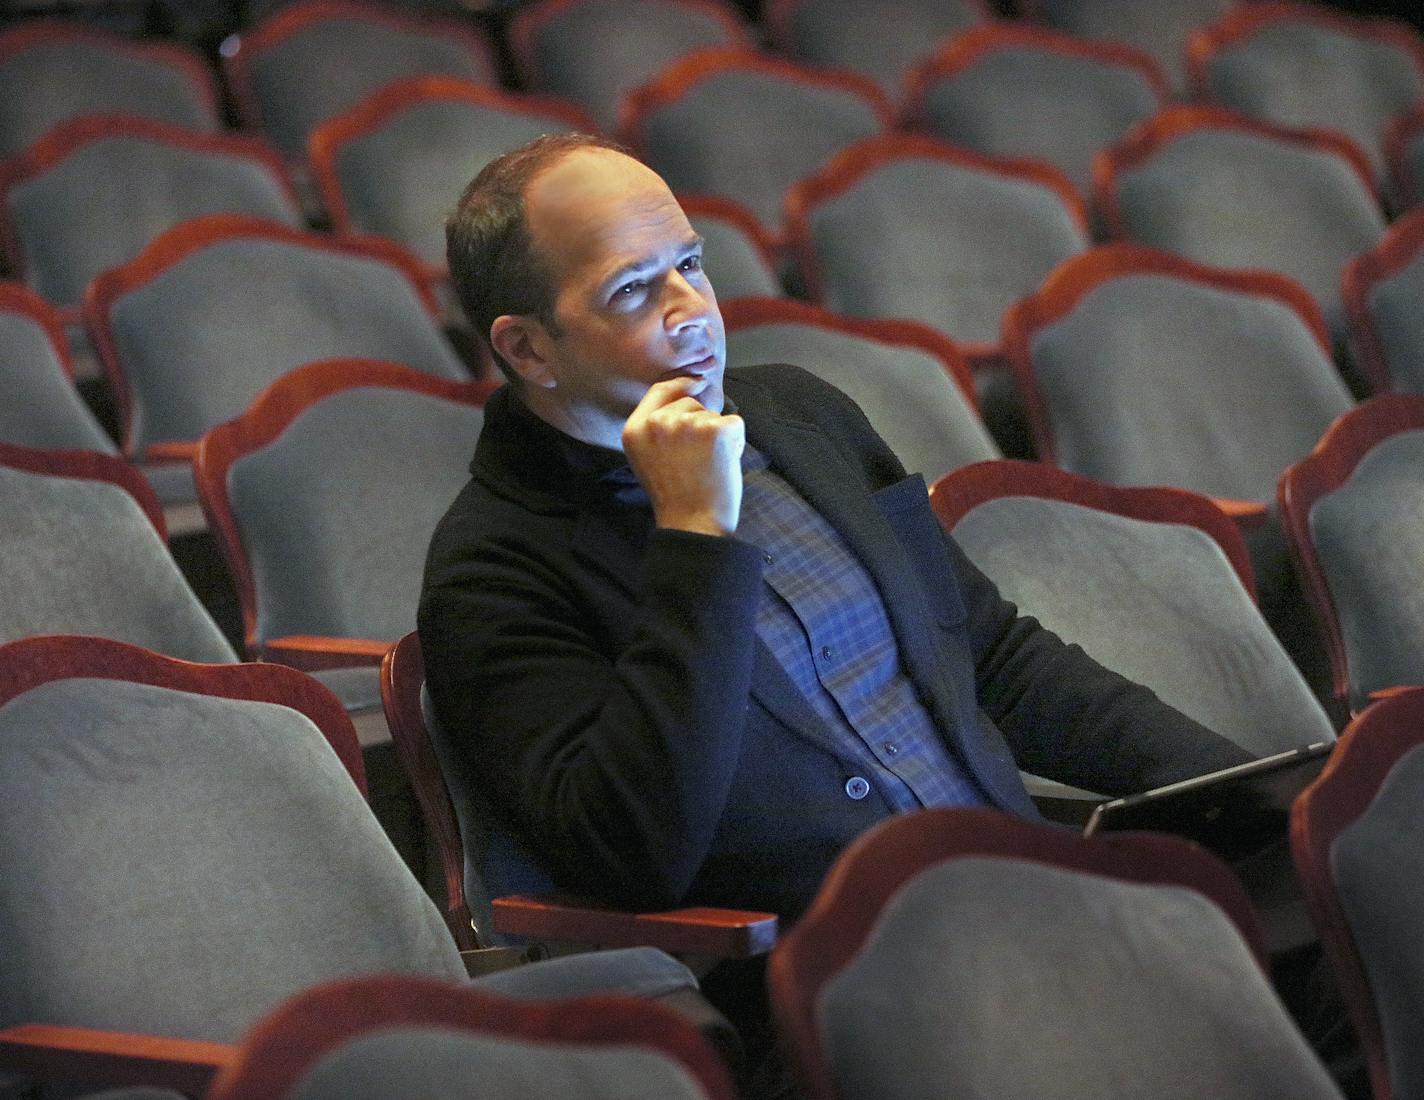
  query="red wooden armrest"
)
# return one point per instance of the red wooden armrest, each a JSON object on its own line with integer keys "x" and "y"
{"x": 714, "y": 933}
{"x": 317, "y": 653}
{"x": 171, "y": 450}
{"x": 111, "y": 1059}
{"x": 1248, "y": 514}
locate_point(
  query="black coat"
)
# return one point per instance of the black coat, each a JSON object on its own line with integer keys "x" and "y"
{"x": 603, "y": 678}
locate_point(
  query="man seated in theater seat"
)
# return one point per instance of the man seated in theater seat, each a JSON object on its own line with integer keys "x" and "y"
{"x": 696, "y": 627}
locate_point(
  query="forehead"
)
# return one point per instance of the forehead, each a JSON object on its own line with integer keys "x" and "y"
{"x": 596, "y": 211}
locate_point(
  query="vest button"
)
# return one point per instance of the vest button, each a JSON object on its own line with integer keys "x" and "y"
{"x": 857, "y": 788}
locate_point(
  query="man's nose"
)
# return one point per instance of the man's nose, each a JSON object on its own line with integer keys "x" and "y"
{"x": 688, "y": 307}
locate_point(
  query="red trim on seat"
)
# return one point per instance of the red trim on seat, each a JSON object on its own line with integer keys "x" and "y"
{"x": 18, "y": 298}
{"x": 1400, "y": 246}
{"x": 734, "y": 213}
{"x": 89, "y": 466}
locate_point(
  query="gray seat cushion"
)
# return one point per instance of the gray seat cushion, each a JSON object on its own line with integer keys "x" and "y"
{"x": 1244, "y": 200}
{"x": 643, "y": 972}
{"x": 80, "y": 557}
{"x": 52, "y": 81}
{"x": 1158, "y": 603}
{"x": 208, "y": 334}
{"x": 226, "y": 853}
{"x": 1154, "y": 380}
{"x": 331, "y": 64}
{"x": 41, "y": 406}
{"x": 995, "y": 978}
{"x": 905, "y": 393}
{"x": 1023, "y": 101}
{"x": 1378, "y": 866}
{"x": 104, "y": 202}
{"x": 736, "y": 267}
{"x": 1301, "y": 73}
{"x": 1414, "y": 165}
{"x": 951, "y": 246}
{"x": 1369, "y": 536}
{"x": 596, "y": 51}
{"x": 1399, "y": 322}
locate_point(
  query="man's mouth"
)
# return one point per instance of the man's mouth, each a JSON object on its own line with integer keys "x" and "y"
{"x": 697, "y": 367}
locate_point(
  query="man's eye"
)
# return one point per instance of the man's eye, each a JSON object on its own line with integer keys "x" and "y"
{"x": 692, "y": 263}
{"x": 627, "y": 290}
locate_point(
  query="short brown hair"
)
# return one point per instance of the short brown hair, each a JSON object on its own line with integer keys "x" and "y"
{"x": 493, "y": 264}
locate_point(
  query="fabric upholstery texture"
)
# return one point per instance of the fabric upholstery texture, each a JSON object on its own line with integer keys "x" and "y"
{"x": 880, "y": 41}
{"x": 337, "y": 513}
{"x": 1160, "y": 27}
{"x": 1414, "y": 163}
{"x": 1299, "y": 73}
{"x": 53, "y": 81}
{"x": 434, "y": 1062}
{"x": 732, "y": 261}
{"x": 332, "y": 64}
{"x": 1234, "y": 199}
{"x": 1379, "y": 874}
{"x": 1369, "y": 535}
{"x": 1153, "y": 380}
{"x": 41, "y": 407}
{"x": 997, "y": 978}
{"x": 643, "y": 972}
{"x": 1399, "y": 323}
{"x": 1040, "y": 103}
{"x": 783, "y": 130}
{"x": 1158, "y": 603}
{"x": 950, "y": 246}
{"x": 208, "y": 334}
{"x": 905, "y": 393}
{"x": 402, "y": 179}
{"x": 232, "y": 859}
{"x": 596, "y": 51}
{"x": 82, "y": 558}
{"x": 98, "y": 207}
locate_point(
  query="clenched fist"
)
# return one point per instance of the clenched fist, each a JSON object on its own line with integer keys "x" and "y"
{"x": 687, "y": 457}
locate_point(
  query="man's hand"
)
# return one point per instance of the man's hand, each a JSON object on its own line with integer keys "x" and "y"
{"x": 687, "y": 458}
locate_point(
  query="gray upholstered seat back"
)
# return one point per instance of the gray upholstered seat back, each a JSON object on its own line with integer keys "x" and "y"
{"x": 1369, "y": 536}
{"x": 52, "y": 81}
{"x": 951, "y": 246}
{"x": 1414, "y": 163}
{"x": 402, "y": 180}
{"x": 1378, "y": 867}
{"x": 1153, "y": 380}
{"x": 336, "y": 513}
{"x": 41, "y": 406}
{"x": 206, "y": 336}
{"x": 1036, "y": 102}
{"x": 732, "y": 261}
{"x": 750, "y": 135}
{"x": 1161, "y": 27}
{"x": 178, "y": 864}
{"x": 882, "y": 41}
{"x": 596, "y": 51}
{"x": 80, "y": 557}
{"x": 98, "y": 207}
{"x": 1234, "y": 199}
{"x": 1158, "y": 603}
{"x": 411, "y": 1061}
{"x": 1399, "y": 322}
{"x": 1301, "y": 73}
{"x": 1006, "y": 979}
{"x": 330, "y": 65}
{"x": 906, "y": 393}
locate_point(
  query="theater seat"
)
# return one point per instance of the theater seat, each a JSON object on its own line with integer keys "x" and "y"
{"x": 1381, "y": 289}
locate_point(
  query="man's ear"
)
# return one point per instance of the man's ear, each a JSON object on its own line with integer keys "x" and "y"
{"x": 522, "y": 341}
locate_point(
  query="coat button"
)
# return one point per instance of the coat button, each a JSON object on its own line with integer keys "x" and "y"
{"x": 857, "y": 788}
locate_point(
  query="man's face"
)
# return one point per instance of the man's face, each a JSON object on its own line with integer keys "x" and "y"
{"x": 632, "y": 305}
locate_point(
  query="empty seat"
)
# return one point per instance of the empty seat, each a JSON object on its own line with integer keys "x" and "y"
{"x": 882, "y": 40}
{"x": 313, "y": 61}
{"x": 595, "y": 52}
{"x": 1300, "y": 65}
{"x": 94, "y": 191}
{"x": 1229, "y": 191}
{"x": 216, "y": 309}
{"x": 1354, "y": 509}
{"x": 1382, "y": 292}
{"x": 739, "y": 254}
{"x": 1154, "y": 583}
{"x": 395, "y": 164}
{"x": 910, "y": 381}
{"x": 740, "y": 124}
{"x": 960, "y": 952}
{"x": 906, "y": 226}
{"x": 50, "y": 72}
{"x": 1022, "y": 91}
{"x": 1404, "y": 150}
{"x": 1357, "y": 840}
